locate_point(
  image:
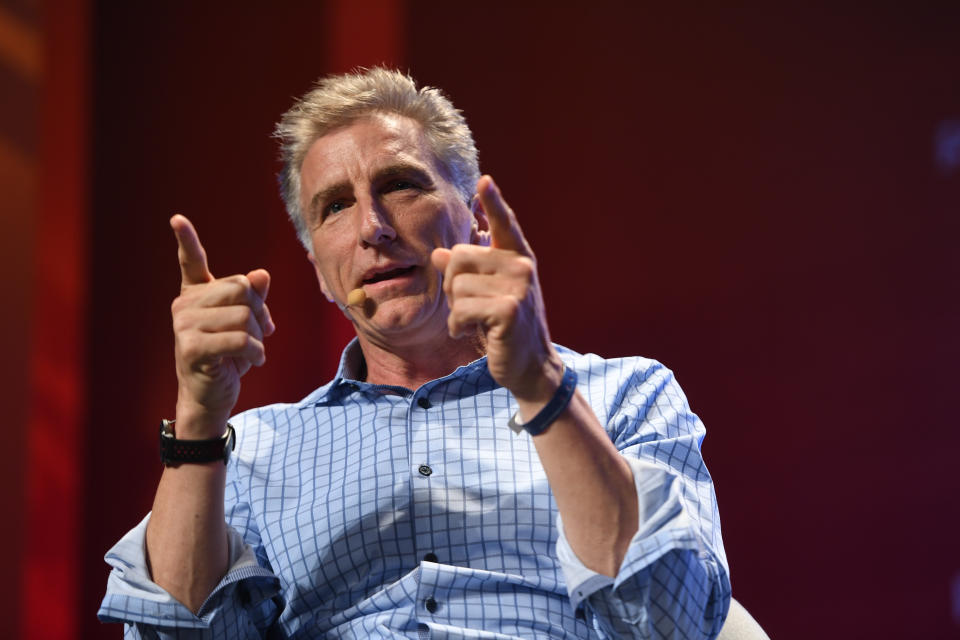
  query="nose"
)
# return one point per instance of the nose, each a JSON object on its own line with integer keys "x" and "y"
{"x": 375, "y": 228}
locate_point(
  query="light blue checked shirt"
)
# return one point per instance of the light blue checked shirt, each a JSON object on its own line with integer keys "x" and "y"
{"x": 368, "y": 511}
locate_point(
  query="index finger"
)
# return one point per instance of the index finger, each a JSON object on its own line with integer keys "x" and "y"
{"x": 193, "y": 259}
{"x": 504, "y": 228}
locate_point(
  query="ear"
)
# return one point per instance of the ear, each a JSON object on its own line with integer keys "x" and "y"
{"x": 323, "y": 284}
{"x": 480, "y": 233}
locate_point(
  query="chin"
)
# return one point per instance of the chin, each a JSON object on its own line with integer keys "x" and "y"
{"x": 397, "y": 316}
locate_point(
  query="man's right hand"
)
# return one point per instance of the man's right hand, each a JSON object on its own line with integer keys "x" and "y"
{"x": 219, "y": 325}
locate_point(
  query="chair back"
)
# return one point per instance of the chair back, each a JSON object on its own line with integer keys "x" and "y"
{"x": 740, "y": 625}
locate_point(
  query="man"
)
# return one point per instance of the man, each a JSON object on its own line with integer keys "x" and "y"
{"x": 397, "y": 500}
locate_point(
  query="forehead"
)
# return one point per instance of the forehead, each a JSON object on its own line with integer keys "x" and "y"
{"x": 355, "y": 152}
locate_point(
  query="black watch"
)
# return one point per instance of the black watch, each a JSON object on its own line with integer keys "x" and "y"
{"x": 174, "y": 452}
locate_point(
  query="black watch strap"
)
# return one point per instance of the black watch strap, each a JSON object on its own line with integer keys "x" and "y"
{"x": 174, "y": 452}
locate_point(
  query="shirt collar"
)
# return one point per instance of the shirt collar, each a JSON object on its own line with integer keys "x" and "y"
{"x": 352, "y": 366}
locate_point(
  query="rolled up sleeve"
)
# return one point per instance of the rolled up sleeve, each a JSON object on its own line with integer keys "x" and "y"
{"x": 241, "y": 605}
{"x": 673, "y": 581}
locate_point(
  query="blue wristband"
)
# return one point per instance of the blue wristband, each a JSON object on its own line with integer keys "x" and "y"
{"x": 542, "y": 421}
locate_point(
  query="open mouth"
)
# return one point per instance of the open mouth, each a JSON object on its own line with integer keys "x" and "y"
{"x": 387, "y": 275}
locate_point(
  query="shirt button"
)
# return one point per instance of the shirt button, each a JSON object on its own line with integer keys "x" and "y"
{"x": 431, "y": 605}
{"x": 430, "y": 557}
{"x": 425, "y": 470}
{"x": 424, "y": 403}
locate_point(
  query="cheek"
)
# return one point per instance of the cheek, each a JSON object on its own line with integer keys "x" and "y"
{"x": 454, "y": 229}
{"x": 331, "y": 260}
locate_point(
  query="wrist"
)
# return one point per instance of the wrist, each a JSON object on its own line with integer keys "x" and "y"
{"x": 174, "y": 451}
{"x": 552, "y": 410}
{"x": 195, "y": 422}
{"x": 540, "y": 385}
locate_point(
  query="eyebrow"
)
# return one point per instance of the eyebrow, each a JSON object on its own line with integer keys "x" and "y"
{"x": 324, "y": 195}
{"x": 394, "y": 170}
{"x": 401, "y": 169}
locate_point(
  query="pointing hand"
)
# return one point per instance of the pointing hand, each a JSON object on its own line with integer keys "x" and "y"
{"x": 219, "y": 325}
{"x": 497, "y": 289}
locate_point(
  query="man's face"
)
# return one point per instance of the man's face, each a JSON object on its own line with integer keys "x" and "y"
{"x": 377, "y": 204}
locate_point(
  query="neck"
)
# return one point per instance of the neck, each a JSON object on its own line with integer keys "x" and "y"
{"x": 412, "y": 365}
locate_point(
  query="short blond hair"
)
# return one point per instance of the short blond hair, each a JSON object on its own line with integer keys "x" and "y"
{"x": 338, "y": 100}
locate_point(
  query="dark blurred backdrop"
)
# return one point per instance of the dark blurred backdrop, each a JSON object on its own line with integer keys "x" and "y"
{"x": 763, "y": 197}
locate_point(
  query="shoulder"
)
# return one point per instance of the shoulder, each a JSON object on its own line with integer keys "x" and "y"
{"x": 593, "y": 369}
{"x": 626, "y": 389}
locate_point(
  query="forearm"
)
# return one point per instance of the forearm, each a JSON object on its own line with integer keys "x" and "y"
{"x": 219, "y": 326}
{"x": 187, "y": 547}
{"x": 238, "y": 607}
{"x": 667, "y": 560}
{"x": 592, "y": 484}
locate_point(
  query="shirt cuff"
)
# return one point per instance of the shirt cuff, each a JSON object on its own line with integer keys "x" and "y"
{"x": 132, "y": 596}
{"x": 663, "y": 526}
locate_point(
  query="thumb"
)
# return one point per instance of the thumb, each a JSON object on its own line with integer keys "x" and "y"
{"x": 260, "y": 281}
{"x": 440, "y": 258}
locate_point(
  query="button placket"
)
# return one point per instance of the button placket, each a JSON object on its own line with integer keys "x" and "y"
{"x": 424, "y": 469}
{"x": 425, "y": 454}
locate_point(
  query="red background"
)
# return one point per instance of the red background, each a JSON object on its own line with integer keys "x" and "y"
{"x": 749, "y": 195}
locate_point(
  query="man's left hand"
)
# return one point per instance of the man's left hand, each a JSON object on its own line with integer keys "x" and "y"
{"x": 496, "y": 288}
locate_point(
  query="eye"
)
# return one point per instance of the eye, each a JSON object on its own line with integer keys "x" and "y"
{"x": 400, "y": 185}
{"x": 334, "y": 207}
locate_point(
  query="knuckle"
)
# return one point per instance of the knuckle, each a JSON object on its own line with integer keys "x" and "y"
{"x": 183, "y": 301}
{"x": 239, "y": 283}
{"x": 525, "y": 268}
{"x": 456, "y": 313}
{"x": 180, "y": 322}
{"x": 239, "y": 341}
{"x": 509, "y": 307}
{"x": 457, "y": 286}
{"x": 254, "y": 330}
{"x": 189, "y": 346}
{"x": 454, "y": 321}
{"x": 461, "y": 252}
{"x": 245, "y": 315}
